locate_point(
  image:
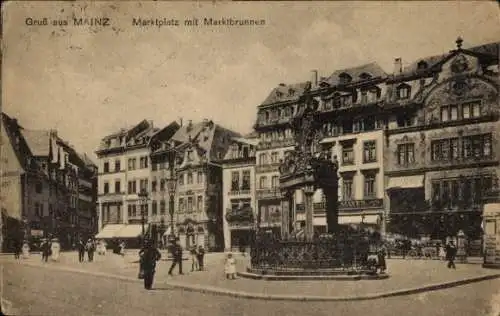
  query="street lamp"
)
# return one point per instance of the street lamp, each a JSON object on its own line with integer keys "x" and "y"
{"x": 171, "y": 186}
{"x": 143, "y": 197}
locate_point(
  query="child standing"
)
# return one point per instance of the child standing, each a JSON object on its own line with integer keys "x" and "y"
{"x": 200, "y": 255}
{"x": 194, "y": 258}
{"x": 230, "y": 267}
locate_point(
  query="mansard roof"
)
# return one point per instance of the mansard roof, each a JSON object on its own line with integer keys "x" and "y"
{"x": 356, "y": 73}
{"x": 285, "y": 92}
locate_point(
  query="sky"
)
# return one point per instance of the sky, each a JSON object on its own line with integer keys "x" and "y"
{"x": 87, "y": 82}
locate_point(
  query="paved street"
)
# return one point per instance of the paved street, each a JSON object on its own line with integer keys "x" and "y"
{"x": 404, "y": 274}
{"x": 35, "y": 291}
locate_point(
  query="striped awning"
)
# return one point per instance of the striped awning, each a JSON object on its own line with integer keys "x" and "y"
{"x": 109, "y": 231}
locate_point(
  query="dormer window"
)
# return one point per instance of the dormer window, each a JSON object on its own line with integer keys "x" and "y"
{"x": 365, "y": 76}
{"x": 279, "y": 94}
{"x": 422, "y": 65}
{"x": 345, "y": 78}
{"x": 403, "y": 91}
{"x": 291, "y": 92}
{"x": 189, "y": 155}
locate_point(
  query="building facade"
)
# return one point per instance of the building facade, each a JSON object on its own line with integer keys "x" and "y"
{"x": 48, "y": 198}
{"x": 442, "y": 142}
{"x": 275, "y": 140}
{"x": 238, "y": 182}
{"x": 192, "y": 155}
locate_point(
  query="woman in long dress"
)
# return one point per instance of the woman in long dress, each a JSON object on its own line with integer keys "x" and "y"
{"x": 230, "y": 267}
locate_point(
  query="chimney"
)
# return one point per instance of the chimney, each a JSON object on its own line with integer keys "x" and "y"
{"x": 314, "y": 78}
{"x": 398, "y": 66}
{"x": 180, "y": 121}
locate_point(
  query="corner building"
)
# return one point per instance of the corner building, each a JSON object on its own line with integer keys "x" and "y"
{"x": 442, "y": 142}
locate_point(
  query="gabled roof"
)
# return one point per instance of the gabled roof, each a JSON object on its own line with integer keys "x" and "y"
{"x": 285, "y": 92}
{"x": 244, "y": 140}
{"x": 372, "y": 69}
{"x": 189, "y": 130}
{"x": 38, "y": 141}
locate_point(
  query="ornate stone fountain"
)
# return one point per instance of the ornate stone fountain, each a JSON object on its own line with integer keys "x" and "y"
{"x": 341, "y": 253}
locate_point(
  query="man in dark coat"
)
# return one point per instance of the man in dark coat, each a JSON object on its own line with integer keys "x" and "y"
{"x": 81, "y": 250}
{"x": 90, "y": 249}
{"x": 176, "y": 251}
{"x": 451, "y": 252}
{"x": 45, "y": 248}
{"x": 149, "y": 256}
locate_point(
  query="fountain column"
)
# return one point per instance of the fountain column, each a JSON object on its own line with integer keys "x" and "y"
{"x": 285, "y": 213}
{"x": 308, "y": 204}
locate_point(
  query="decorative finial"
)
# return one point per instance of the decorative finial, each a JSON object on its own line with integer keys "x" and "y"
{"x": 459, "y": 42}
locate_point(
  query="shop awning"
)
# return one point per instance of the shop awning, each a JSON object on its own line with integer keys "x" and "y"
{"x": 349, "y": 219}
{"x": 131, "y": 231}
{"x": 109, "y": 231}
{"x": 357, "y": 219}
{"x": 409, "y": 182}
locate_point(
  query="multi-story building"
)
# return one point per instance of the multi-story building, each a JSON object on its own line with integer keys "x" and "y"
{"x": 275, "y": 139}
{"x": 442, "y": 141}
{"x": 49, "y": 194}
{"x": 194, "y": 150}
{"x": 238, "y": 183}
{"x": 124, "y": 171}
{"x": 349, "y": 106}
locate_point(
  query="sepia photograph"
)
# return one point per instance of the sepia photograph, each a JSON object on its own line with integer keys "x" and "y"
{"x": 250, "y": 158}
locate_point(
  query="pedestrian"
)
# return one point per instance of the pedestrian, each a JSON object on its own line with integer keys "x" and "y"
{"x": 200, "y": 255}
{"x": 121, "y": 248}
{"x": 45, "y": 247}
{"x": 382, "y": 251}
{"x": 17, "y": 249}
{"x": 149, "y": 255}
{"x": 90, "y": 247}
{"x": 81, "y": 250}
{"x": 230, "y": 267}
{"x": 176, "y": 251}
{"x": 451, "y": 252}
{"x": 194, "y": 258}
{"x": 442, "y": 253}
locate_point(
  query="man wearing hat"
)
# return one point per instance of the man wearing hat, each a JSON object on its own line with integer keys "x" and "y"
{"x": 148, "y": 257}
{"x": 176, "y": 251}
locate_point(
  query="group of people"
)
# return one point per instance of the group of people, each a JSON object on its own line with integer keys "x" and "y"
{"x": 197, "y": 258}
{"x": 89, "y": 247}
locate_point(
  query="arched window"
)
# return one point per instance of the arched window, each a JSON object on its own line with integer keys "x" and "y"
{"x": 365, "y": 76}
{"x": 403, "y": 91}
{"x": 345, "y": 78}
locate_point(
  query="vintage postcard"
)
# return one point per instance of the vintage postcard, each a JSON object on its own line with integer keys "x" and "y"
{"x": 250, "y": 158}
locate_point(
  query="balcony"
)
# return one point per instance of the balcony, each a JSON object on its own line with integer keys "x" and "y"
{"x": 272, "y": 121}
{"x": 272, "y": 167}
{"x": 269, "y": 144}
{"x": 273, "y": 193}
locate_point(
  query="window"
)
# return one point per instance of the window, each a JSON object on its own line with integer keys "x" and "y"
{"x": 403, "y": 92}
{"x": 370, "y": 185}
{"x": 154, "y": 166}
{"x": 153, "y": 185}
{"x": 454, "y": 148}
{"x": 118, "y": 187}
{"x": 181, "y": 179}
{"x": 460, "y": 192}
{"x": 369, "y": 151}
{"x": 181, "y": 204}
{"x": 162, "y": 207}
{"x": 245, "y": 185}
{"x": 262, "y": 159}
{"x": 38, "y": 187}
{"x": 131, "y": 163}
{"x": 453, "y": 113}
{"x": 274, "y": 157}
{"x": 235, "y": 181}
{"x": 199, "y": 203}
{"x": 143, "y": 185}
{"x": 364, "y": 96}
{"x": 199, "y": 177}
{"x": 406, "y": 153}
{"x": 190, "y": 204}
{"x": 189, "y": 155}
{"x": 154, "y": 208}
{"x": 118, "y": 166}
{"x": 348, "y": 154}
{"x": 444, "y": 149}
{"x": 263, "y": 182}
{"x": 106, "y": 167}
{"x": 106, "y": 188}
{"x": 189, "y": 178}
{"x": 143, "y": 162}
{"x": 405, "y": 120}
{"x": 132, "y": 187}
{"x": 132, "y": 210}
{"x": 436, "y": 192}
{"x": 275, "y": 181}
{"x": 477, "y": 146}
{"x": 347, "y": 193}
